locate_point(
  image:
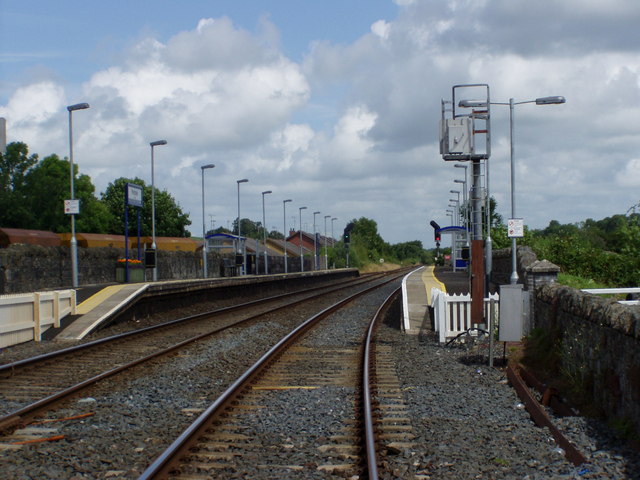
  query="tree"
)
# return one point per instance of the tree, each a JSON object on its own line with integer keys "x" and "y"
{"x": 15, "y": 163}
{"x": 171, "y": 221}
{"x": 249, "y": 228}
{"x": 48, "y": 184}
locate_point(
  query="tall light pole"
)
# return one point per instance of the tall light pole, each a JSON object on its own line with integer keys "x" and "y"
{"x": 465, "y": 218}
{"x": 74, "y": 241}
{"x": 205, "y": 270}
{"x": 300, "y": 232}
{"x": 457, "y": 192}
{"x": 326, "y": 260}
{"x": 553, "y": 100}
{"x": 153, "y": 209}
{"x": 332, "y": 237}
{"x": 244, "y": 260}
{"x": 284, "y": 231}
{"x": 315, "y": 243}
{"x": 264, "y": 233}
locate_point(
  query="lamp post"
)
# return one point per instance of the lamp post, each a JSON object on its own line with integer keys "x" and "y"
{"x": 301, "y": 255}
{"x": 153, "y": 209}
{"x": 204, "y": 228}
{"x": 465, "y": 218}
{"x": 244, "y": 260}
{"x": 457, "y": 192}
{"x": 73, "y": 241}
{"x": 333, "y": 239}
{"x": 315, "y": 243}
{"x": 284, "y": 231}
{"x": 264, "y": 232}
{"x": 553, "y": 100}
{"x": 326, "y": 259}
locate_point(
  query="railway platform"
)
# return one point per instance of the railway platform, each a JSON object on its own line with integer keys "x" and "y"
{"x": 100, "y": 304}
{"x": 417, "y": 291}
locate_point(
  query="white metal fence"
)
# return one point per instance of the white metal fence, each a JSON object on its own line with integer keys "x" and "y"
{"x": 25, "y": 317}
{"x": 452, "y": 313}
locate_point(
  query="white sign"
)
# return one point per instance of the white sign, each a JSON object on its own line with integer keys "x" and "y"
{"x": 515, "y": 228}
{"x": 72, "y": 207}
{"x": 134, "y": 195}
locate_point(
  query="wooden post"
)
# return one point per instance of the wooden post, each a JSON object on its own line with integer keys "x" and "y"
{"x": 36, "y": 318}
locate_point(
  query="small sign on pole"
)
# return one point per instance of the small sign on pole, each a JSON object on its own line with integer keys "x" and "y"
{"x": 515, "y": 228}
{"x": 72, "y": 207}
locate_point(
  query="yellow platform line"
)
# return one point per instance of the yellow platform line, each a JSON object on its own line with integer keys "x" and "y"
{"x": 96, "y": 299}
{"x": 429, "y": 279}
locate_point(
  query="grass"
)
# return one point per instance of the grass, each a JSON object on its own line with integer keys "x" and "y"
{"x": 576, "y": 282}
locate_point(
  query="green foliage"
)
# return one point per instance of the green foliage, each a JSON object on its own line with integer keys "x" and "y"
{"x": 578, "y": 283}
{"x": 249, "y": 228}
{"x": 47, "y": 185}
{"x": 14, "y": 166}
{"x": 605, "y": 251}
{"x": 170, "y": 220}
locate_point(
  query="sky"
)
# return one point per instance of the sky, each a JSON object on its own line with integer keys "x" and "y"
{"x": 333, "y": 104}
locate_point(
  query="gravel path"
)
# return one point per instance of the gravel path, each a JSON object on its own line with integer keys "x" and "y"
{"x": 468, "y": 422}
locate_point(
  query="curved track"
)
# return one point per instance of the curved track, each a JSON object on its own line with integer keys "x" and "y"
{"x": 235, "y": 435}
{"x": 29, "y": 386}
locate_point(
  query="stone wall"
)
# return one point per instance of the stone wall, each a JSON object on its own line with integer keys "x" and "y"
{"x": 30, "y": 268}
{"x": 501, "y": 265}
{"x": 598, "y": 341}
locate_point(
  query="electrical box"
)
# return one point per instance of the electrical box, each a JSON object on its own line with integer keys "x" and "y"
{"x": 456, "y": 136}
{"x": 150, "y": 258}
{"x": 511, "y": 313}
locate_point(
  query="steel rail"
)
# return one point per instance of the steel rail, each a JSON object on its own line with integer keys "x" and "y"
{"x": 29, "y": 411}
{"x": 166, "y": 461}
{"x": 541, "y": 418}
{"x": 11, "y": 367}
{"x": 370, "y": 443}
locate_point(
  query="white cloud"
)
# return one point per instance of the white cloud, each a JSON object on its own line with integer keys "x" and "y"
{"x": 352, "y": 129}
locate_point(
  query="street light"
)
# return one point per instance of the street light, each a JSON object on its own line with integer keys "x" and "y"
{"x": 457, "y": 192}
{"x": 153, "y": 209}
{"x": 73, "y": 241}
{"x": 301, "y": 256}
{"x": 204, "y": 231}
{"x": 333, "y": 239}
{"x": 326, "y": 260}
{"x": 284, "y": 231}
{"x": 264, "y": 233}
{"x": 315, "y": 244}
{"x": 553, "y": 100}
{"x": 244, "y": 267}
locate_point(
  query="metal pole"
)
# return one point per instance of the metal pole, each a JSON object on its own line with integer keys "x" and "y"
{"x": 488, "y": 244}
{"x": 240, "y": 243}
{"x": 300, "y": 232}
{"x": 326, "y": 247}
{"x": 514, "y": 255}
{"x": 264, "y": 233}
{"x": 205, "y": 268}
{"x": 153, "y": 209}
{"x": 315, "y": 243}
{"x": 284, "y": 231}
{"x": 73, "y": 242}
{"x": 333, "y": 238}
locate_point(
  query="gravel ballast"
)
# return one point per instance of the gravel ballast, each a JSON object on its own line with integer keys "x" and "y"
{"x": 467, "y": 421}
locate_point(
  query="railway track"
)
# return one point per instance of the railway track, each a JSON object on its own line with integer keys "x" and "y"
{"x": 30, "y": 386}
{"x": 271, "y": 424}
